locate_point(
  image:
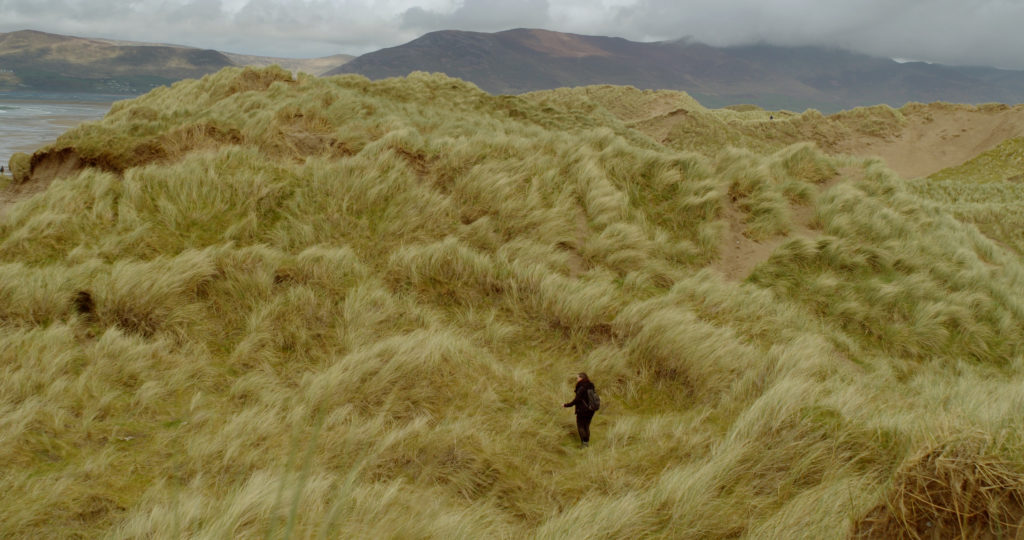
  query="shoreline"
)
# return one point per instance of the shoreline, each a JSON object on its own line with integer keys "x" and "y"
{"x": 12, "y": 96}
{"x": 26, "y": 125}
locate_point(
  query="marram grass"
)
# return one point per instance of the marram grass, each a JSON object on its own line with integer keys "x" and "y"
{"x": 328, "y": 308}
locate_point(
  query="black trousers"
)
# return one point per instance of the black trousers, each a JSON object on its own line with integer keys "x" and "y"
{"x": 583, "y": 419}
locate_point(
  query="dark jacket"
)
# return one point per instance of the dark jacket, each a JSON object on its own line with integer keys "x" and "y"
{"x": 580, "y": 401}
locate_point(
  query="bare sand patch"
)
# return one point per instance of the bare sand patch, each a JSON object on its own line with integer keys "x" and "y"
{"x": 916, "y": 140}
{"x": 739, "y": 254}
{"x": 938, "y": 136}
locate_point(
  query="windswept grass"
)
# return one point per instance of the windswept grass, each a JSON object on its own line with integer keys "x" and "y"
{"x": 1005, "y": 162}
{"x": 342, "y": 308}
{"x": 676, "y": 120}
{"x": 993, "y": 207}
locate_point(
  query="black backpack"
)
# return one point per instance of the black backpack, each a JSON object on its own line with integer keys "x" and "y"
{"x": 593, "y": 401}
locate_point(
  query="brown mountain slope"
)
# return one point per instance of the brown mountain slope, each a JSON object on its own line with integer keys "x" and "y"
{"x": 525, "y": 60}
{"x": 41, "y": 61}
{"x": 32, "y": 60}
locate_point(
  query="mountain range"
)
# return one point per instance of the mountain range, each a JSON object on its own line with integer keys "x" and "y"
{"x": 43, "y": 62}
{"x": 525, "y": 60}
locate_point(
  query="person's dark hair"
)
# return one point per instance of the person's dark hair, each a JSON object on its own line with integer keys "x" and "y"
{"x": 584, "y": 377}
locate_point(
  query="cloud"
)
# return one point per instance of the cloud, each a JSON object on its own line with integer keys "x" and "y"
{"x": 948, "y": 31}
{"x": 480, "y": 15}
{"x": 271, "y": 27}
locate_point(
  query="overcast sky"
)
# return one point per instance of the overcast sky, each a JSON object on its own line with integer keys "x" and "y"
{"x": 949, "y": 31}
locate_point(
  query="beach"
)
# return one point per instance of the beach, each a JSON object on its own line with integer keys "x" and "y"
{"x": 27, "y": 125}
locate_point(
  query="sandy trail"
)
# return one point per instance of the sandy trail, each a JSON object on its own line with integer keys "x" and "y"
{"x": 739, "y": 254}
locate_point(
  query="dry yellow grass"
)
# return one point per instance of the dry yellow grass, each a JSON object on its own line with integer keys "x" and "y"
{"x": 342, "y": 308}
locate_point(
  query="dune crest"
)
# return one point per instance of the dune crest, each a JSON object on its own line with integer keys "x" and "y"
{"x": 262, "y": 305}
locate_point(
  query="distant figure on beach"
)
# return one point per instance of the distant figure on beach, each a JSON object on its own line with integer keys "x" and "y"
{"x": 586, "y": 403}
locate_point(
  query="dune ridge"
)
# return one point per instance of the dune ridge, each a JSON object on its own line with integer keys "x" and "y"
{"x": 323, "y": 307}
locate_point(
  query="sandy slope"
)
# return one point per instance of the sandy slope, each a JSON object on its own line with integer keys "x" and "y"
{"x": 929, "y": 137}
{"x": 940, "y": 136}
{"x": 315, "y": 66}
{"x": 739, "y": 253}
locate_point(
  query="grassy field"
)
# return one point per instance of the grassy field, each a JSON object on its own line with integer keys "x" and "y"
{"x": 331, "y": 307}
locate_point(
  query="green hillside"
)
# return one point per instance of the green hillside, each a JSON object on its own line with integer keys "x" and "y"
{"x": 32, "y": 61}
{"x": 38, "y": 61}
{"x": 331, "y": 307}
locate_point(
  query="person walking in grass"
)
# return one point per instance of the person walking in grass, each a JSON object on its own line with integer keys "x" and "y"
{"x": 586, "y": 403}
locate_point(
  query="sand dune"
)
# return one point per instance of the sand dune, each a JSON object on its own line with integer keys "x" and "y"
{"x": 314, "y": 66}
{"x": 938, "y": 136}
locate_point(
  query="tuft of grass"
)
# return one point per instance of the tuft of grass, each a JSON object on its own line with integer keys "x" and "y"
{"x": 19, "y": 165}
{"x": 953, "y": 488}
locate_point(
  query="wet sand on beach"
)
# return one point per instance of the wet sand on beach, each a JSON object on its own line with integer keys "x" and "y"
{"x": 26, "y": 126}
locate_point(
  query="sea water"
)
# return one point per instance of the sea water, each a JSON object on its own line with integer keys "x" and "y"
{"x": 29, "y": 124}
